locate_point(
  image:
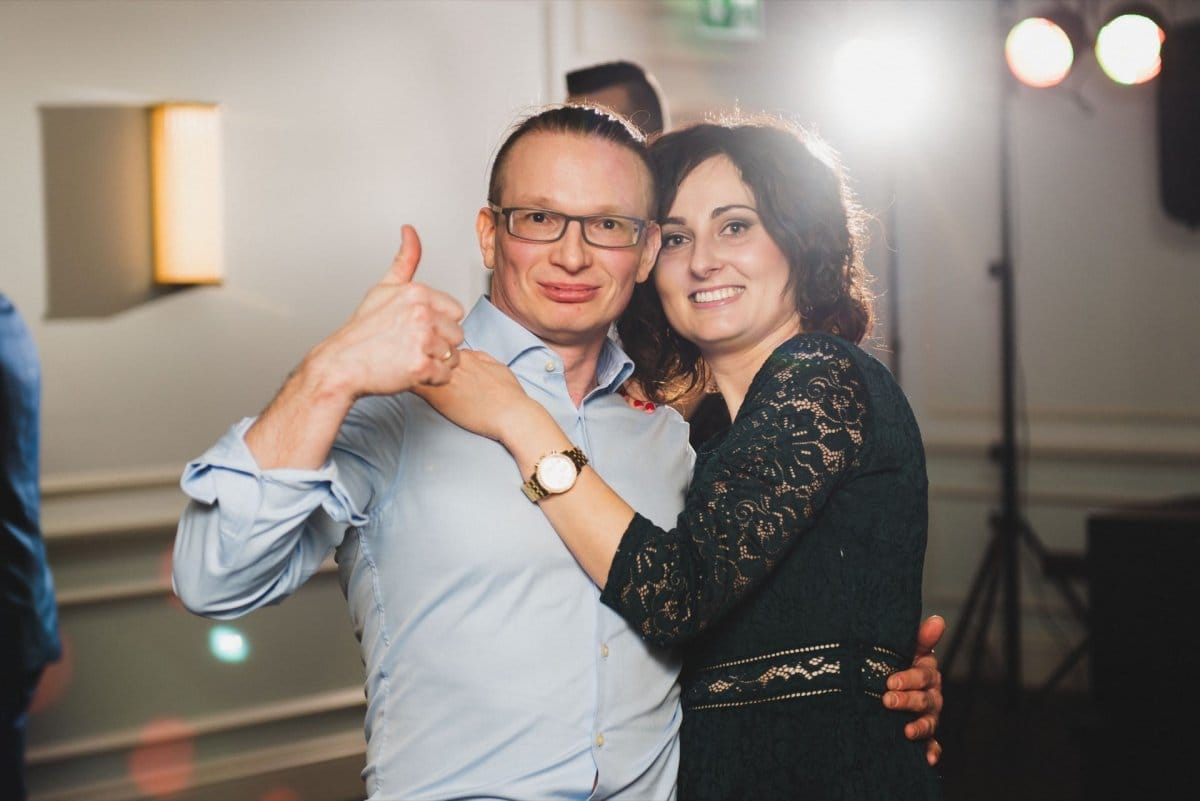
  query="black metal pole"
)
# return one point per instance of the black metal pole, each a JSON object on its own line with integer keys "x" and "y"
{"x": 1010, "y": 519}
{"x": 999, "y": 568}
{"x": 1010, "y": 516}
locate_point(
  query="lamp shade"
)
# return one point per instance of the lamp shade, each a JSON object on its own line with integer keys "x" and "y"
{"x": 186, "y": 176}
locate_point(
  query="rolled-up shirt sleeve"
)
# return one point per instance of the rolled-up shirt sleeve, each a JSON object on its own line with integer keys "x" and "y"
{"x": 250, "y": 537}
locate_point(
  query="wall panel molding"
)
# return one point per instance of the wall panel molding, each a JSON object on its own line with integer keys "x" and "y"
{"x": 1114, "y": 415}
{"x": 338, "y": 753}
{"x": 1067, "y": 451}
{"x": 136, "y": 590}
{"x": 343, "y": 753}
{"x": 208, "y": 725}
{"x": 63, "y": 485}
{"x": 1081, "y": 499}
{"x": 109, "y": 535}
{"x": 102, "y": 506}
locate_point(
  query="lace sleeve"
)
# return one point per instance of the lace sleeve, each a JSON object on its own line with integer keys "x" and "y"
{"x": 799, "y": 432}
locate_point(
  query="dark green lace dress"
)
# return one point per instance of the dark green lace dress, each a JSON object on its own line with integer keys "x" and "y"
{"x": 792, "y": 585}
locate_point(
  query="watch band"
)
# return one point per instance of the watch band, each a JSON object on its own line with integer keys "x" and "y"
{"x": 533, "y": 488}
{"x": 577, "y": 456}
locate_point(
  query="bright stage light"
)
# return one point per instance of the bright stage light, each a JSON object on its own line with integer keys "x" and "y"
{"x": 1039, "y": 52}
{"x": 1128, "y": 48}
{"x": 885, "y": 84}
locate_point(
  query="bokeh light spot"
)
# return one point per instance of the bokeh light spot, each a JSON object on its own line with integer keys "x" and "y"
{"x": 1128, "y": 49}
{"x": 164, "y": 760}
{"x": 227, "y": 644}
{"x": 1038, "y": 52}
{"x": 886, "y": 84}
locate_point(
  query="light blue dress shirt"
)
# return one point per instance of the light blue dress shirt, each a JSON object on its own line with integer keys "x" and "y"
{"x": 492, "y": 669}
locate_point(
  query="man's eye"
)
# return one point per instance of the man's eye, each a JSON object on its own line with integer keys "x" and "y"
{"x": 605, "y": 224}
{"x": 537, "y": 217}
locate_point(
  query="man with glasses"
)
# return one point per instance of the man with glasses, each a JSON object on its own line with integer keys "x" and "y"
{"x": 492, "y": 669}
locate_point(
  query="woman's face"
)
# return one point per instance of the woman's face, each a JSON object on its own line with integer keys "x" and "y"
{"x": 722, "y": 279}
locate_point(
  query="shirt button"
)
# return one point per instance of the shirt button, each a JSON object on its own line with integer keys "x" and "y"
{"x": 604, "y": 650}
{"x": 551, "y": 366}
{"x": 599, "y": 740}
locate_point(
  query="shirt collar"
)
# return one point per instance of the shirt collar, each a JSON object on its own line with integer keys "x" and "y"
{"x": 490, "y": 330}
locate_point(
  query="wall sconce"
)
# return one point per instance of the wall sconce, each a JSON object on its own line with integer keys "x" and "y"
{"x": 185, "y": 168}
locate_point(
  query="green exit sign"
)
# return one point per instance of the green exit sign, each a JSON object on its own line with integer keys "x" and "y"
{"x": 734, "y": 19}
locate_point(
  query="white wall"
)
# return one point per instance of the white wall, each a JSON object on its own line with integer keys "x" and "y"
{"x": 340, "y": 122}
{"x": 343, "y": 120}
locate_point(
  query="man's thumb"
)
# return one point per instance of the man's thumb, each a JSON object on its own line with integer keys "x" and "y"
{"x": 404, "y": 266}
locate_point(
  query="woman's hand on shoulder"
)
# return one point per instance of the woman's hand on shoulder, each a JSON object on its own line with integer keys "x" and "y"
{"x": 635, "y": 396}
{"x": 482, "y": 396}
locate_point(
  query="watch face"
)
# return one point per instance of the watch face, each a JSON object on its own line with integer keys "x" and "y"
{"x": 556, "y": 472}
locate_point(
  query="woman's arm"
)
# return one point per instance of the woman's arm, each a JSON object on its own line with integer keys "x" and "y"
{"x": 590, "y": 518}
{"x": 800, "y": 433}
{"x": 819, "y": 415}
{"x": 484, "y": 397}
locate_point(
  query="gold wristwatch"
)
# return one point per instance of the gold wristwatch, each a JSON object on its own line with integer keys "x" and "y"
{"x": 554, "y": 474}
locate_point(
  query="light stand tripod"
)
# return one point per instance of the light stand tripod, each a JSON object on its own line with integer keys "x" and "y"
{"x": 1000, "y": 564}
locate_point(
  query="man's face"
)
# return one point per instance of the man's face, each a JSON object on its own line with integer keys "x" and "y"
{"x": 568, "y": 292}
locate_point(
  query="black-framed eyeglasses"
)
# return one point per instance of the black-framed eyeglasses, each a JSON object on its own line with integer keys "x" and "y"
{"x": 544, "y": 225}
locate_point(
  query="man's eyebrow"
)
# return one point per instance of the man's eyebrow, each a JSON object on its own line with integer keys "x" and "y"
{"x": 545, "y": 204}
{"x": 717, "y": 212}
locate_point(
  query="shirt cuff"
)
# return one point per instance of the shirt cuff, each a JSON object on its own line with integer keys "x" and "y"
{"x": 227, "y": 473}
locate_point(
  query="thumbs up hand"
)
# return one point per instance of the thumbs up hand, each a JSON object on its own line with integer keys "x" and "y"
{"x": 402, "y": 334}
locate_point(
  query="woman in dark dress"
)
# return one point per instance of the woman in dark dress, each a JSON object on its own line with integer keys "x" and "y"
{"x": 791, "y": 582}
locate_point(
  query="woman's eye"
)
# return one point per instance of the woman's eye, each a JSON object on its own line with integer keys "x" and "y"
{"x": 736, "y": 227}
{"x": 674, "y": 240}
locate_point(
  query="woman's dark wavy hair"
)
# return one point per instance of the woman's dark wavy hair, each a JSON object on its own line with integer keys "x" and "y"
{"x": 806, "y": 208}
{"x": 583, "y": 119}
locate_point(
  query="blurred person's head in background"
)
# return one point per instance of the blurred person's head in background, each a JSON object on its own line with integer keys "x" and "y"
{"x": 623, "y": 87}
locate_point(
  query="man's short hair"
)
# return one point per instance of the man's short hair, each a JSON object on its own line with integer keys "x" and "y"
{"x": 645, "y": 107}
{"x": 579, "y": 119}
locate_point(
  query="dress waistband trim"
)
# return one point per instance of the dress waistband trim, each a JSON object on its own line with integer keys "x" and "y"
{"x": 806, "y": 671}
